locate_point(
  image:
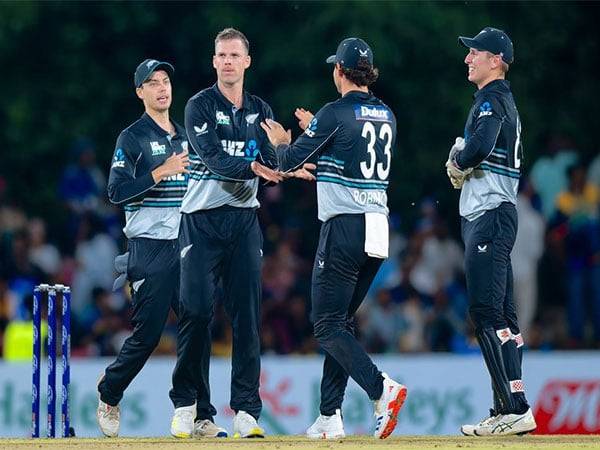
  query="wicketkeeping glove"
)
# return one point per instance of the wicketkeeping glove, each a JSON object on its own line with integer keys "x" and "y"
{"x": 457, "y": 176}
{"x": 459, "y": 146}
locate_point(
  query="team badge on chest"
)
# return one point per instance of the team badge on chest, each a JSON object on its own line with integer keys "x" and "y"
{"x": 157, "y": 149}
{"x": 222, "y": 118}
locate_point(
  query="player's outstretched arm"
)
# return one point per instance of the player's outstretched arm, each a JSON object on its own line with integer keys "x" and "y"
{"x": 303, "y": 174}
{"x": 264, "y": 172}
{"x": 320, "y": 130}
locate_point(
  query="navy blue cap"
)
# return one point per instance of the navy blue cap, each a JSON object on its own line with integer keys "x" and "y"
{"x": 349, "y": 53}
{"x": 148, "y": 67}
{"x": 492, "y": 40}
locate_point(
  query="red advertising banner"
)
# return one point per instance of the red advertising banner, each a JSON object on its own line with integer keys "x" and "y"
{"x": 568, "y": 407}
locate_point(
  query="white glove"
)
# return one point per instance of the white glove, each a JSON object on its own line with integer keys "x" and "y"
{"x": 459, "y": 146}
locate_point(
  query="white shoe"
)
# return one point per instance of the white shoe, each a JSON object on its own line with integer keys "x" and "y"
{"x": 327, "y": 427}
{"x": 246, "y": 426}
{"x": 469, "y": 429}
{"x": 182, "y": 424}
{"x": 109, "y": 419}
{"x": 206, "y": 428}
{"x": 388, "y": 407}
{"x": 506, "y": 424}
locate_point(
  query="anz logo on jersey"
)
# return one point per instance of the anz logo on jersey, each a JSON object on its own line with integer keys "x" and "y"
{"x": 251, "y": 150}
{"x": 119, "y": 159}
{"x": 311, "y": 129}
{"x": 376, "y": 113}
{"x": 234, "y": 148}
{"x": 485, "y": 110}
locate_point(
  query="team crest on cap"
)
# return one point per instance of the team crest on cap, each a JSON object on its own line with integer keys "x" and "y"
{"x": 150, "y": 63}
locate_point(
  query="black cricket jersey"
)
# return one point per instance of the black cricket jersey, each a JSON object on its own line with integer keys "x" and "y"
{"x": 493, "y": 148}
{"x": 225, "y": 140}
{"x": 151, "y": 209}
{"x": 351, "y": 140}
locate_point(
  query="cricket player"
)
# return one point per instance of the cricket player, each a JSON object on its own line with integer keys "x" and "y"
{"x": 351, "y": 139}
{"x": 220, "y": 238}
{"x": 486, "y": 166}
{"x": 148, "y": 177}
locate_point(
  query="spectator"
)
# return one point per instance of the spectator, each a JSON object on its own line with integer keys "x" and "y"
{"x": 445, "y": 322}
{"x": 549, "y": 173}
{"x": 104, "y": 326}
{"x": 594, "y": 171}
{"x": 95, "y": 254}
{"x": 82, "y": 189}
{"x": 42, "y": 254}
{"x": 7, "y": 307}
{"x": 18, "y": 336}
{"x": 412, "y": 331}
{"x": 22, "y": 274}
{"x": 439, "y": 263}
{"x": 83, "y": 185}
{"x": 578, "y": 211}
{"x": 525, "y": 256}
{"x": 383, "y": 324}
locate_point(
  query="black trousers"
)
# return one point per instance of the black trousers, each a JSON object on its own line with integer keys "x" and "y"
{"x": 488, "y": 242}
{"x": 220, "y": 244}
{"x": 153, "y": 272}
{"x": 342, "y": 275}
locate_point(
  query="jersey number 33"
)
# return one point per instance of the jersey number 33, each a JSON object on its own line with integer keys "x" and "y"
{"x": 379, "y": 151}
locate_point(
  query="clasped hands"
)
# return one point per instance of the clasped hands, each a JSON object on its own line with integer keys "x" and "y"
{"x": 277, "y": 135}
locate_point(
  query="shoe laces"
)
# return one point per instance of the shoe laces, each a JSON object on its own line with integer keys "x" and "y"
{"x": 488, "y": 421}
{"x": 202, "y": 424}
{"x": 205, "y": 424}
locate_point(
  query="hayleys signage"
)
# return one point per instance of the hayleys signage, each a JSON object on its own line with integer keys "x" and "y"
{"x": 563, "y": 389}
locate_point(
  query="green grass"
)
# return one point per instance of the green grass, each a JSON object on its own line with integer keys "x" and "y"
{"x": 296, "y": 443}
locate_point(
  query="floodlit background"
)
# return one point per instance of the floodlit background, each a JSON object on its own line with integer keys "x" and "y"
{"x": 67, "y": 78}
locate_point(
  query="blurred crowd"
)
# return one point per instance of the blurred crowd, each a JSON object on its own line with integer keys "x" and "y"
{"x": 418, "y": 302}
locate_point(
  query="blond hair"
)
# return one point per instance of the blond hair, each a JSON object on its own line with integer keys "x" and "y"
{"x": 231, "y": 33}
